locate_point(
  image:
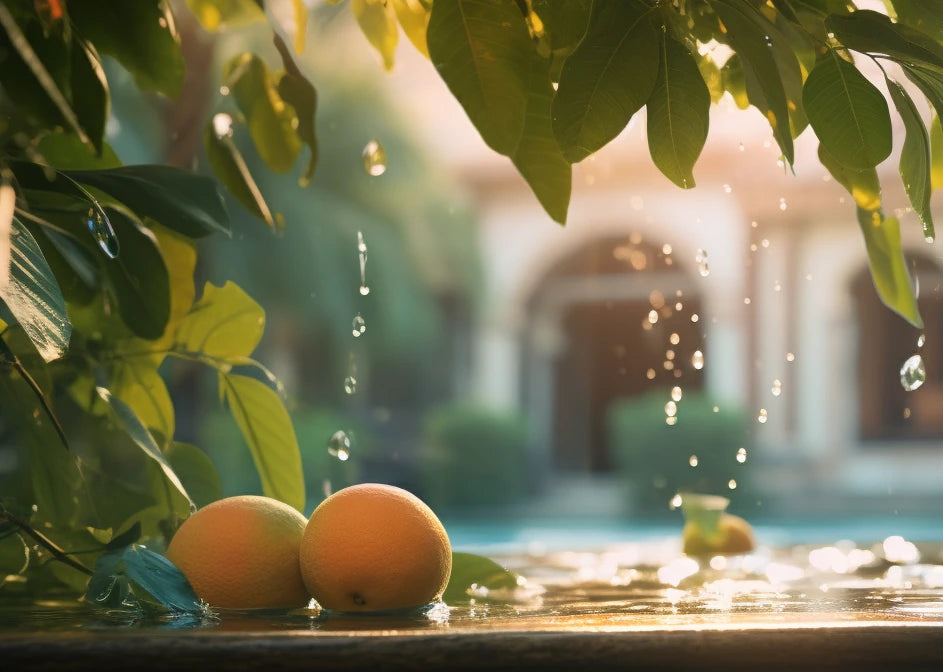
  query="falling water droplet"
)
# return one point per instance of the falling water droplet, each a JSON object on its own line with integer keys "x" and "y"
{"x": 694, "y": 317}
{"x": 652, "y": 316}
{"x": 222, "y": 125}
{"x": 777, "y": 286}
{"x": 716, "y": 409}
{"x": 676, "y": 393}
{"x": 697, "y": 360}
{"x": 350, "y": 385}
{"x": 362, "y": 256}
{"x": 103, "y": 233}
{"x": 727, "y": 189}
{"x": 732, "y": 484}
{"x": 762, "y": 417}
{"x": 650, "y": 374}
{"x": 671, "y": 420}
{"x": 929, "y": 239}
{"x": 374, "y": 158}
{"x": 671, "y": 409}
{"x": 674, "y": 339}
{"x": 224, "y": 90}
{"x": 777, "y": 388}
{"x": 339, "y": 446}
{"x": 742, "y": 455}
{"x": 359, "y": 326}
{"x": 741, "y": 147}
{"x": 921, "y": 339}
{"x": 700, "y": 259}
{"x": 669, "y": 355}
{"x": 913, "y": 373}
{"x": 790, "y": 357}
{"x": 666, "y": 249}
{"x": 782, "y": 204}
{"x": 675, "y": 502}
{"x": 692, "y": 460}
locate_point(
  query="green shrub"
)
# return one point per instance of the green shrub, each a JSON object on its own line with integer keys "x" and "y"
{"x": 653, "y": 457}
{"x": 472, "y": 456}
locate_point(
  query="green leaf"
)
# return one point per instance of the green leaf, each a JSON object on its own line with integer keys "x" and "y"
{"x": 863, "y": 185}
{"x": 922, "y": 15}
{"x": 377, "y": 21}
{"x": 90, "y": 97}
{"x": 298, "y": 92}
{"x": 138, "y": 276}
{"x": 871, "y": 32}
{"x": 65, "y": 151}
{"x": 136, "y": 382}
{"x": 936, "y": 149}
{"x": 678, "y": 113}
{"x": 268, "y": 431}
{"x": 930, "y": 82}
{"x": 125, "y": 539}
{"x": 135, "y": 577}
{"x": 413, "y": 16}
{"x": 607, "y": 79}
{"x": 179, "y": 199}
{"x": 764, "y": 85}
{"x": 197, "y": 472}
{"x": 142, "y": 438}
{"x": 140, "y": 35}
{"x": 538, "y": 156}
{"x": 270, "y": 120}
{"x": 481, "y": 49}
{"x": 32, "y": 294}
{"x": 225, "y": 323}
{"x": 849, "y": 115}
{"x": 472, "y": 572}
{"x": 225, "y": 14}
{"x": 230, "y": 168}
{"x": 565, "y": 21}
{"x": 915, "y": 158}
{"x": 888, "y": 266}
{"x": 731, "y": 76}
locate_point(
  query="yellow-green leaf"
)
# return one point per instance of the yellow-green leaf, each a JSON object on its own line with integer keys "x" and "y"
{"x": 863, "y": 185}
{"x": 936, "y": 149}
{"x": 196, "y": 471}
{"x": 377, "y": 20}
{"x": 267, "y": 429}
{"x": 413, "y": 16}
{"x": 915, "y": 157}
{"x": 888, "y": 266}
{"x": 222, "y": 14}
{"x": 225, "y": 323}
{"x": 136, "y": 382}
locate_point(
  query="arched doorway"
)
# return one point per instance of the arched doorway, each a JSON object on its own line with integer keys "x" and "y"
{"x": 614, "y": 319}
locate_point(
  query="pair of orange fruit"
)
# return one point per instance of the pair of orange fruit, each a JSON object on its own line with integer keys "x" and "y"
{"x": 369, "y": 547}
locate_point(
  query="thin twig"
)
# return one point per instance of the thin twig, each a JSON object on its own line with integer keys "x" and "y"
{"x": 45, "y": 542}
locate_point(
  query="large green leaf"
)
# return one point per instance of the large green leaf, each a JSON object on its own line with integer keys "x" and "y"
{"x": 377, "y": 20}
{"x": 848, "y": 113}
{"x": 930, "y": 82}
{"x": 764, "y": 84}
{"x": 298, "y": 92}
{"x": 936, "y": 149}
{"x": 888, "y": 266}
{"x": 140, "y": 35}
{"x": 607, "y": 79}
{"x": 481, "y": 48}
{"x": 137, "y": 578}
{"x": 225, "y": 323}
{"x": 142, "y": 438}
{"x": 863, "y": 185}
{"x": 678, "y": 113}
{"x": 90, "y": 97}
{"x": 268, "y": 431}
{"x": 538, "y": 156}
{"x": 874, "y": 33}
{"x": 230, "y": 168}
{"x": 270, "y": 120}
{"x": 65, "y": 151}
{"x": 922, "y": 15}
{"x": 197, "y": 472}
{"x": 472, "y": 572}
{"x": 32, "y": 294}
{"x": 915, "y": 158}
{"x": 565, "y": 22}
{"x": 224, "y": 14}
{"x": 136, "y": 382}
{"x": 179, "y": 199}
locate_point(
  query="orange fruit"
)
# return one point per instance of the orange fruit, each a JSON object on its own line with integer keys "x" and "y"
{"x": 734, "y": 535}
{"x": 374, "y": 547}
{"x": 242, "y": 553}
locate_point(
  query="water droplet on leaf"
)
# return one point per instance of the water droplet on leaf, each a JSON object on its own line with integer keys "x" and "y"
{"x": 103, "y": 233}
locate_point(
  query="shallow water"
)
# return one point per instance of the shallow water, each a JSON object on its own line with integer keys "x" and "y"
{"x": 647, "y": 584}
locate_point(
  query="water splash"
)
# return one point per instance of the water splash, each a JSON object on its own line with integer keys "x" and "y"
{"x": 697, "y": 360}
{"x": 359, "y": 326}
{"x": 339, "y": 446}
{"x": 374, "y": 158}
{"x": 913, "y": 373}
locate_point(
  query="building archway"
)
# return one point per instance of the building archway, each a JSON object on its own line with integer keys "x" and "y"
{"x": 616, "y": 318}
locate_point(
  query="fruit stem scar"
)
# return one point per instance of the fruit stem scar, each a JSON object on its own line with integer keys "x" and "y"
{"x": 358, "y": 599}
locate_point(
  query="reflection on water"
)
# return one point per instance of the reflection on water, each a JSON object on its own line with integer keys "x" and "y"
{"x": 638, "y": 585}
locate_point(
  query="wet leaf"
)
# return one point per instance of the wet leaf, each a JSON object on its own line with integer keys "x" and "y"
{"x": 888, "y": 266}
{"x": 179, "y": 199}
{"x": 678, "y": 113}
{"x": 764, "y": 86}
{"x": 298, "y": 92}
{"x": 930, "y": 82}
{"x": 230, "y": 168}
{"x": 135, "y": 429}
{"x": 138, "y": 578}
{"x": 871, "y": 32}
{"x": 140, "y": 35}
{"x": 271, "y": 121}
{"x": 413, "y": 17}
{"x": 268, "y": 431}
{"x": 474, "y": 571}
{"x": 136, "y": 382}
{"x": 225, "y": 323}
{"x": 565, "y": 21}
{"x": 225, "y": 14}
{"x": 377, "y": 21}
{"x": 607, "y": 79}
{"x": 481, "y": 49}
{"x": 197, "y": 472}
{"x": 538, "y": 156}
{"x": 849, "y": 115}
{"x": 863, "y": 185}
{"x": 32, "y": 295}
{"x": 915, "y": 158}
